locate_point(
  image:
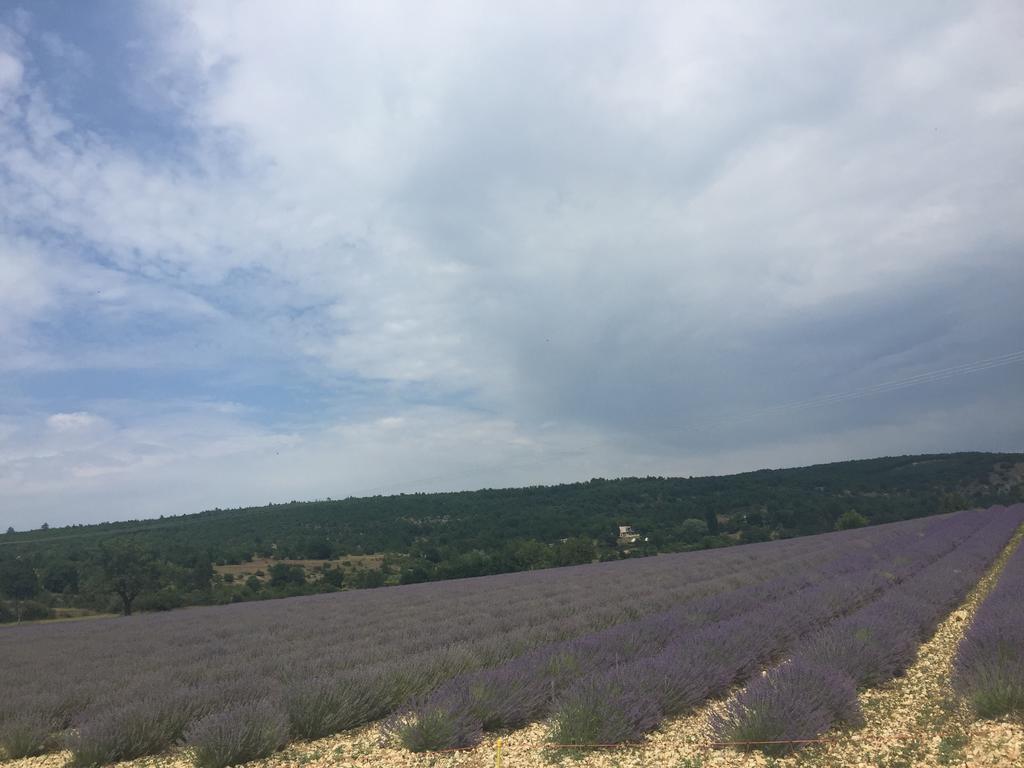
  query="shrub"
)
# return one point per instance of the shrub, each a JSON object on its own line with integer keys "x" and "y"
{"x": 402, "y": 681}
{"x": 30, "y": 726}
{"x": 996, "y": 685}
{"x": 850, "y": 519}
{"x": 237, "y": 735}
{"x": 869, "y": 652}
{"x": 683, "y": 676}
{"x": 438, "y": 722}
{"x": 603, "y": 709}
{"x": 326, "y": 705}
{"x": 147, "y": 727}
{"x": 335, "y": 577}
{"x": 506, "y": 697}
{"x": 796, "y": 701}
{"x": 565, "y": 664}
{"x": 25, "y": 734}
{"x": 32, "y": 610}
{"x": 283, "y": 575}
{"x": 163, "y": 600}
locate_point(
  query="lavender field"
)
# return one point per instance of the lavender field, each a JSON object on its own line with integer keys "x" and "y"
{"x": 875, "y": 602}
{"x": 605, "y": 652}
{"x": 989, "y": 665}
{"x": 816, "y": 688}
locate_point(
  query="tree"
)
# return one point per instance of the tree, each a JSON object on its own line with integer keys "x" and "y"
{"x": 527, "y": 554}
{"x": 128, "y": 570}
{"x": 953, "y": 502}
{"x": 200, "y": 575}
{"x": 18, "y": 581}
{"x": 693, "y": 530}
{"x": 416, "y": 573}
{"x": 755, "y": 534}
{"x": 318, "y": 549}
{"x": 575, "y": 551}
{"x": 363, "y": 578}
{"x": 283, "y": 575}
{"x": 333, "y": 576}
{"x": 61, "y": 576}
{"x": 851, "y": 519}
{"x": 711, "y": 520}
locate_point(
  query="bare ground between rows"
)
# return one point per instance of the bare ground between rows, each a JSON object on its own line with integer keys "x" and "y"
{"x": 912, "y": 722}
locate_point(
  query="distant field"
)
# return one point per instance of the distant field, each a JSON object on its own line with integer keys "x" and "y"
{"x": 602, "y": 653}
{"x": 72, "y": 614}
{"x": 260, "y": 566}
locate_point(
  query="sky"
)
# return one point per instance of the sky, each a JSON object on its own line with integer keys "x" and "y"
{"x": 263, "y": 251}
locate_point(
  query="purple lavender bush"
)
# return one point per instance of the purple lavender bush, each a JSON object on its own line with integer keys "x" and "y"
{"x": 604, "y": 709}
{"x": 31, "y": 724}
{"x": 794, "y": 702}
{"x": 238, "y": 735}
{"x": 126, "y": 731}
{"x": 683, "y": 676}
{"x": 868, "y": 649}
{"x": 330, "y": 704}
{"x": 440, "y": 722}
{"x": 24, "y": 734}
{"x": 507, "y": 697}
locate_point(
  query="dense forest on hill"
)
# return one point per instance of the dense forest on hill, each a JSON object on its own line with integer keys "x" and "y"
{"x": 192, "y": 559}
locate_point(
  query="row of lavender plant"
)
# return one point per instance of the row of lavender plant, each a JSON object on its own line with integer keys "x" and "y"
{"x": 616, "y": 684}
{"x": 816, "y": 689}
{"x": 988, "y": 671}
{"x": 118, "y": 689}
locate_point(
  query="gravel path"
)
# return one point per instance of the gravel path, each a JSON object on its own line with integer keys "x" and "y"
{"x": 913, "y": 722}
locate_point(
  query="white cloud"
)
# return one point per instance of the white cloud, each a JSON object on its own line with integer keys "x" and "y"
{"x": 10, "y": 73}
{"x": 26, "y": 289}
{"x": 392, "y": 171}
{"x": 66, "y": 422}
{"x": 184, "y": 461}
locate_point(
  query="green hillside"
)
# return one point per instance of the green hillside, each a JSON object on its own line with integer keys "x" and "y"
{"x": 448, "y": 535}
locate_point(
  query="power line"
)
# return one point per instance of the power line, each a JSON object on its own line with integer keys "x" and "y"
{"x": 888, "y": 386}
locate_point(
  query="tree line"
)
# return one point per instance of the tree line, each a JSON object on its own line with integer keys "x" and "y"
{"x": 172, "y": 562}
